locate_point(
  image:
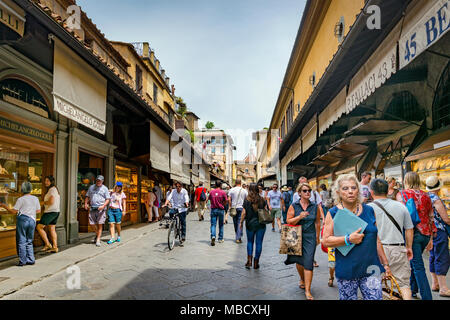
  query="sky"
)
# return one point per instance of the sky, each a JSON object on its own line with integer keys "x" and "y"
{"x": 226, "y": 58}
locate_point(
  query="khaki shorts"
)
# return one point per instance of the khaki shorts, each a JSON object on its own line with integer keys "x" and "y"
{"x": 276, "y": 213}
{"x": 399, "y": 264}
{"x": 97, "y": 217}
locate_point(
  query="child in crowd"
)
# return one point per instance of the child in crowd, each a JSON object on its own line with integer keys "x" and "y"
{"x": 331, "y": 265}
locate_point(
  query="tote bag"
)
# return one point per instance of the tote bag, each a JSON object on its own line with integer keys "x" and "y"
{"x": 291, "y": 240}
{"x": 264, "y": 216}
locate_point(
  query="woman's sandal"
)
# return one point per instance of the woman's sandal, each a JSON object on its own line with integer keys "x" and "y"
{"x": 435, "y": 289}
{"x": 330, "y": 282}
{"x": 309, "y": 296}
{"x": 46, "y": 248}
{"x": 302, "y": 285}
{"x": 445, "y": 294}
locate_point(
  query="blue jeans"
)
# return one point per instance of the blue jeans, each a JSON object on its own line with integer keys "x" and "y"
{"x": 217, "y": 214}
{"x": 439, "y": 256}
{"x": 182, "y": 221}
{"x": 418, "y": 280}
{"x": 237, "y": 223}
{"x": 24, "y": 238}
{"x": 251, "y": 237}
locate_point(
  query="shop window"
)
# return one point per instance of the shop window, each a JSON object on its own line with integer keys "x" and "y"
{"x": 404, "y": 105}
{"x": 441, "y": 104}
{"x": 23, "y": 95}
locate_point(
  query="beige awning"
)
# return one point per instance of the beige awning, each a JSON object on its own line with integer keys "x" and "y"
{"x": 159, "y": 148}
{"x": 309, "y": 134}
{"x": 332, "y": 112}
{"x": 381, "y": 65}
{"x": 79, "y": 91}
{"x": 179, "y": 164}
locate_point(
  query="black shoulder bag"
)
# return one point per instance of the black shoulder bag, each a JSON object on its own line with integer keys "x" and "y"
{"x": 390, "y": 217}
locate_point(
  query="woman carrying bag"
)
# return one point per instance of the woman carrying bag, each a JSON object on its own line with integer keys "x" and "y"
{"x": 305, "y": 213}
{"x": 255, "y": 230}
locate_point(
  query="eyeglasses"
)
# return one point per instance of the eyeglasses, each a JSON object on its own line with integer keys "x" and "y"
{"x": 306, "y": 191}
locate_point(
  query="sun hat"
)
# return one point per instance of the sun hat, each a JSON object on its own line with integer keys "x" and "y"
{"x": 285, "y": 188}
{"x": 433, "y": 183}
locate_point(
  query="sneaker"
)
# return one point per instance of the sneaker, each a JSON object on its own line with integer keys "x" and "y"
{"x": 213, "y": 242}
{"x": 111, "y": 241}
{"x": 98, "y": 244}
{"x": 118, "y": 239}
{"x": 221, "y": 241}
{"x": 273, "y": 229}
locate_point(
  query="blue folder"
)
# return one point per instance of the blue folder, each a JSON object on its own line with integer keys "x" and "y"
{"x": 346, "y": 222}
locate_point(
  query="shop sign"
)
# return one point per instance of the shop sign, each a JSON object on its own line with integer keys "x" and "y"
{"x": 12, "y": 16}
{"x": 16, "y": 127}
{"x": 426, "y": 32}
{"x": 19, "y": 156}
{"x": 373, "y": 80}
{"x": 70, "y": 111}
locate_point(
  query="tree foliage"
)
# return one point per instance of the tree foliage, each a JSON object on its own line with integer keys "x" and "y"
{"x": 209, "y": 125}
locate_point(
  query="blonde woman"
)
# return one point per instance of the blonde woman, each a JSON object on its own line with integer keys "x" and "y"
{"x": 423, "y": 233}
{"x": 360, "y": 267}
{"x": 393, "y": 190}
{"x": 306, "y": 214}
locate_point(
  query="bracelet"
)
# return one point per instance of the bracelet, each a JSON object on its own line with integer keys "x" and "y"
{"x": 347, "y": 241}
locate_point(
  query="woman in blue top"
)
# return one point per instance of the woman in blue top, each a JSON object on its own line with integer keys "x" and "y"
{"x": 361, "y": 267}
{"x": 304, "y": 213}
{"x": 439, "y": 255}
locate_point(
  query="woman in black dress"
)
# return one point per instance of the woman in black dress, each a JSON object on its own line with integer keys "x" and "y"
{"x": 305, "y": 213}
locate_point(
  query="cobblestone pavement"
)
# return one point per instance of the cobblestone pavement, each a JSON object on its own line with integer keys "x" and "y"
{"x": 145, "y": 269}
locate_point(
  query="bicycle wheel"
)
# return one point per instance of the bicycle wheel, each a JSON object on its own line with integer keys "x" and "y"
{"x": 172, "y": 235}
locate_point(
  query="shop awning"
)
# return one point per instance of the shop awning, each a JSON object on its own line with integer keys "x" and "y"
{"x": 180, "y": 158}
{"x": 340, "y": 151}
{"x": 79, "y": 91}
{"x": 435, "y": 145}
{"x": 358, "y": 46}
{"x": 377, "y": 127}
{"x": 159, "y": 148}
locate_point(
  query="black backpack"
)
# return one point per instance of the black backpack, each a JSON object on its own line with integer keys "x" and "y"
{"x": 203, "y": 195}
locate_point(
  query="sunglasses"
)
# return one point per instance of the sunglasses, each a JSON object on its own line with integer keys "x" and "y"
{"x": 306, "y": 191}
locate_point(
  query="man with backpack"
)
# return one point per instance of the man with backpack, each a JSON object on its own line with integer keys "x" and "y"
{"x": 200, "y": 201}
{"x": 392, "y": 218}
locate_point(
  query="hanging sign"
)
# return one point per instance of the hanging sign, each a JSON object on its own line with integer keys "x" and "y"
{"x": 426, "y": 32}
{"x": 373, "y": 80}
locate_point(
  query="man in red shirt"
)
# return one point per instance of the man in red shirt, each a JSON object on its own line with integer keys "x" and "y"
{"x": 218, "y": 199}
{"x": 199, "y": 203}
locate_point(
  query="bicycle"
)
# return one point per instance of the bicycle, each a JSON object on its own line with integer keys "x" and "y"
{"x": 174, "y": 230}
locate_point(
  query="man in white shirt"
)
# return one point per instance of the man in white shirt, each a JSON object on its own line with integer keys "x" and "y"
{"x": 236, "y": 197}
{"x": 275, "y": 203}
{"x": 179, "y": 199}
{"x": 392, "y": 218}
{"x": 365, "y": 190}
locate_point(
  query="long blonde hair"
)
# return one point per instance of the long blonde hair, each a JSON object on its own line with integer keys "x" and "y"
{"x": 337, "y": 185}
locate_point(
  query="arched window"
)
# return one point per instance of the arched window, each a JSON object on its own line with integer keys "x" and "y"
{"x": 405, "y": 106}
{"x": 22, "y": 94}
{"x": 441, "y": 103}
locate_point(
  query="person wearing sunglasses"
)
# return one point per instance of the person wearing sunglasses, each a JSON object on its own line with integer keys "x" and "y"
{"x": 306, "y": 214}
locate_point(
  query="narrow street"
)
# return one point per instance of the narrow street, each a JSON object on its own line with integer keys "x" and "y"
{"x": 144, "y": 269}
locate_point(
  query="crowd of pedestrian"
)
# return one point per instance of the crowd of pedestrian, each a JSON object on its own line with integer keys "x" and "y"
{"x": 399, "y": 223}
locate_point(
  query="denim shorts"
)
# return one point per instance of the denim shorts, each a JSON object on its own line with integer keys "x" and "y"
{"x": 115, "y": 216}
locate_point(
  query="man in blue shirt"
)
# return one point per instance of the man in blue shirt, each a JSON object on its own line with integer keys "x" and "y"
{"x": 97, "y": 200}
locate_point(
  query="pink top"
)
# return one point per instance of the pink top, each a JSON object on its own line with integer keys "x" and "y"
{"x": 218, "y": 198}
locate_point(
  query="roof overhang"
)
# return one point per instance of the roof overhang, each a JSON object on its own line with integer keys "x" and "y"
{"x": 355, "y": 50}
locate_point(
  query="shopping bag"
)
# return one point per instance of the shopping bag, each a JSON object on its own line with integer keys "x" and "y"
{"x": 291, "y": 240}
{"x": 391, "y": 289}
{"x": 264, "y": 216}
